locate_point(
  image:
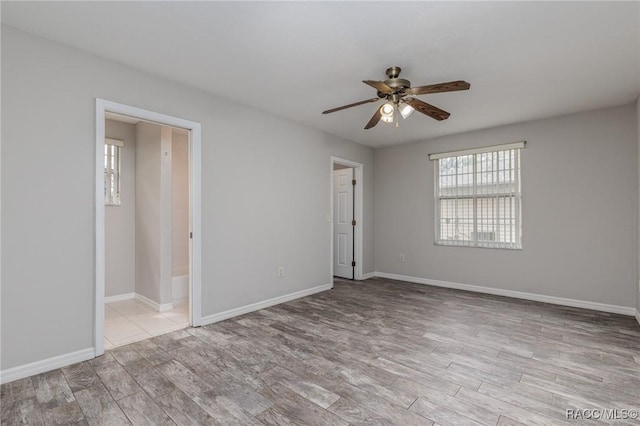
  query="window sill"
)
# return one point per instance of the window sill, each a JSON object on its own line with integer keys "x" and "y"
{"x": 437, "y": 243}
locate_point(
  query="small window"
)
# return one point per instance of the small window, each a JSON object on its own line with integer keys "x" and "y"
{"x": 112, "y": 154}
{"x": 478, "y": 197}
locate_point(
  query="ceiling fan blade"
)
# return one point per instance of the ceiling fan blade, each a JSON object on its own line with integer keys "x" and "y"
{"x": 379, "y": 86}
{"x": 451, "y": 86}
{"x": 374, "y": 120}
{"x": 427, "y": 109}
{"x": 350, "y": 105}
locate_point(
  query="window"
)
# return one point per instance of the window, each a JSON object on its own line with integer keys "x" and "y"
{"x": 112, "y": 153}
{"x": 478, "y": 197}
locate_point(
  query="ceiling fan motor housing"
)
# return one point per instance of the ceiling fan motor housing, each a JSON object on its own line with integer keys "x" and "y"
{"x": 399, "y": 85}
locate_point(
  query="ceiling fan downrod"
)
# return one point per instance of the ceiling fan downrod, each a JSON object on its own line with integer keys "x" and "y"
{"x": 393, "y": 72}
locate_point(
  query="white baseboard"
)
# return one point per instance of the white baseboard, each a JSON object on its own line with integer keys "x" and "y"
{"x": 368, "y": 275}
{"x": 26, "y": 370}
{"x": 585, "y": 304}
{"x": 119, "y": 297}
{"x": 150, "y": 303}
{"x": 638, "y": 316}
{"x": 154, "y": 305}
{"x": 210, "y": 319}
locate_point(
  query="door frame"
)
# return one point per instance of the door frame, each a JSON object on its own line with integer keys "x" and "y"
{"x": 195, "y": 209}
{"x": 358, "y": 206}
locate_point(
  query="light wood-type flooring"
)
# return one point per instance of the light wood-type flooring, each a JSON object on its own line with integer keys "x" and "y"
{"x": 369, "y": 353}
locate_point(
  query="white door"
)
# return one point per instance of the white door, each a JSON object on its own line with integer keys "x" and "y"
{"x": 342, "y": 228}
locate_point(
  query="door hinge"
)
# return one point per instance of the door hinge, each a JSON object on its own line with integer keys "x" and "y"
{"x": 191, "y": 235}
{"x": 353, "y": 222}
{"x": 353, "y": 182}
{"x": 353, "y": 263}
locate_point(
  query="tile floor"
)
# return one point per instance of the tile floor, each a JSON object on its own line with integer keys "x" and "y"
{"x": 130, "y": 321}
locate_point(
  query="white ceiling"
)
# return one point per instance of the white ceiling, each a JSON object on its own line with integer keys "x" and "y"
{"x": 524, "y": 60}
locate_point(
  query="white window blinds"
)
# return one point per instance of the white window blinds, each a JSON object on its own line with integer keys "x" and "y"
{"x": 112, "y": 154}
{"x": 478, "y": 197}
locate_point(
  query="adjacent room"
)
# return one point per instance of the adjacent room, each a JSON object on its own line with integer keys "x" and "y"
{"x": 146, "y": 229}
{"x": 320, "y": 213}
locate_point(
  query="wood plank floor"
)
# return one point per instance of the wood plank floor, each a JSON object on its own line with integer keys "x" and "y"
{"x": 376, "y": 352}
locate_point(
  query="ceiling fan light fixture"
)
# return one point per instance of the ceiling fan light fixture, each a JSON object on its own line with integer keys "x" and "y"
{"x": 405, "y": 110}
{"x": 386, "y": 111}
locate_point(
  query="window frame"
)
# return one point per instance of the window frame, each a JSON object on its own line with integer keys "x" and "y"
{"x": 113, "y": 172}
{"x": 516, "y": 195}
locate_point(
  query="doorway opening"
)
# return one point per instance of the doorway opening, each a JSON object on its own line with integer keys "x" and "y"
{"x": 346, "y": 218}
{"x": 147, "y": 224}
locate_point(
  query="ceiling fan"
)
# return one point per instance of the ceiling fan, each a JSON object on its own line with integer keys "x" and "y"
{"x": 399, "y": 96}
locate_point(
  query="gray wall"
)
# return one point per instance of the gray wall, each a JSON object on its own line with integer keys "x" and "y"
{"x": 638, "y": 224}
{"x": 580, "y": 189}
{"x": 153, "y": 212}
{"x": 262, "y": 177}
{"x": 179, "y": 203}
{"x": 120, "y": 273}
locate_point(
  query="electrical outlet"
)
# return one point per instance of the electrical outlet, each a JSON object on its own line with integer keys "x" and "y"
{"x": 280, "y": 271}
{"x": 401, "y": 257}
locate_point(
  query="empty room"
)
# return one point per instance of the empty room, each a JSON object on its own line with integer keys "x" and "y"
{"x": 320, "y": 213}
